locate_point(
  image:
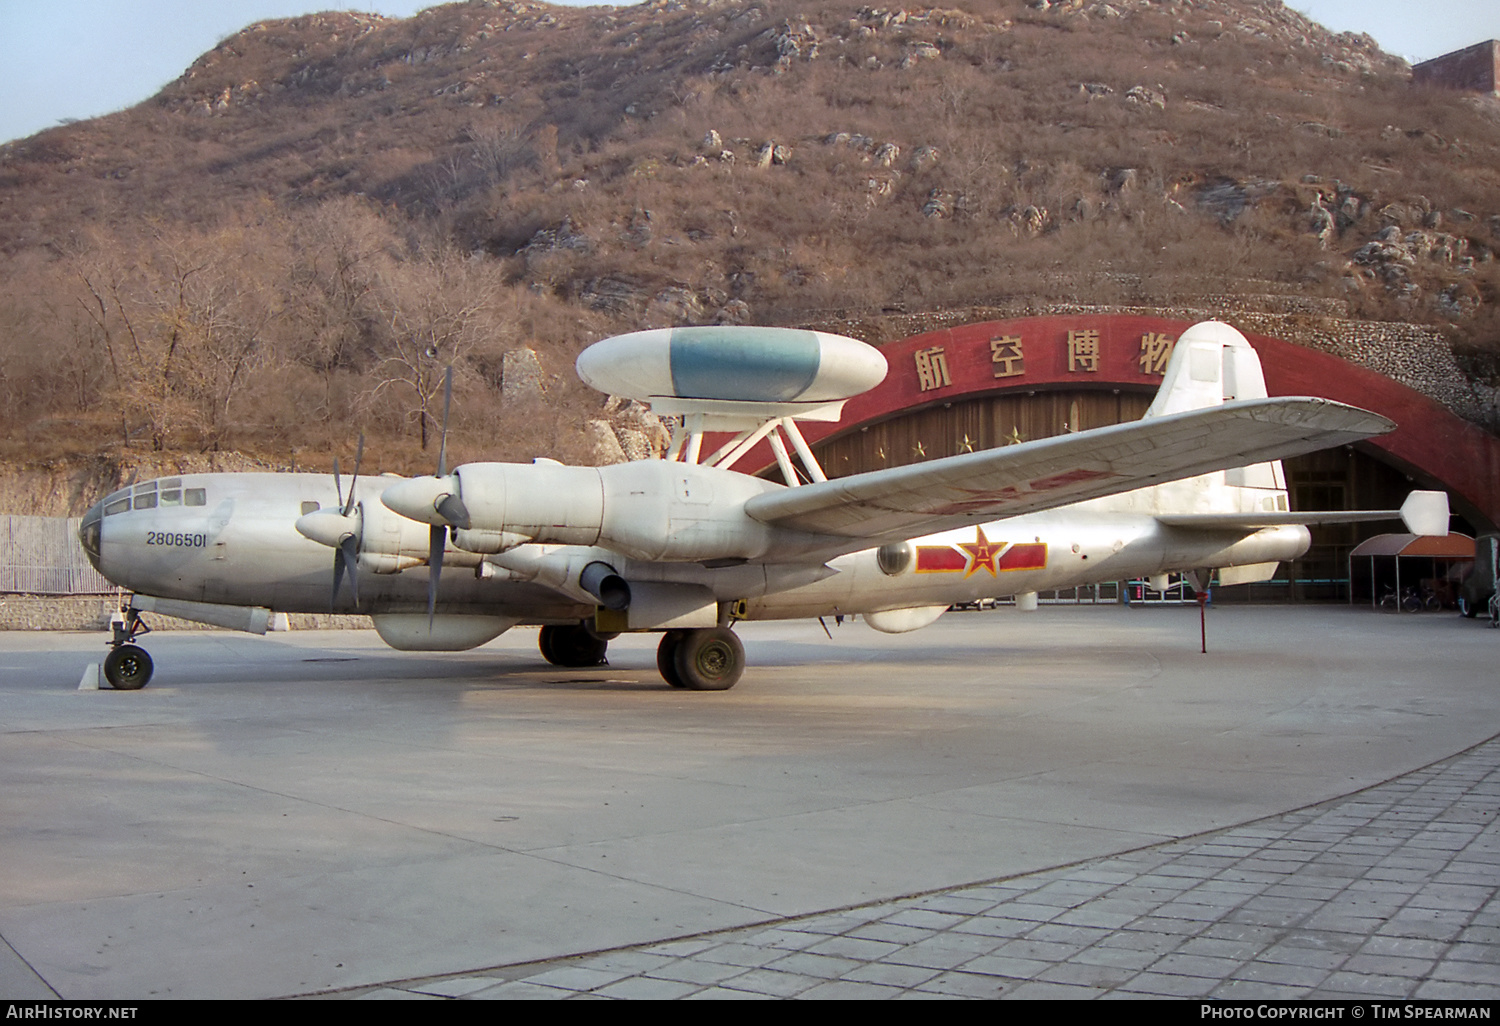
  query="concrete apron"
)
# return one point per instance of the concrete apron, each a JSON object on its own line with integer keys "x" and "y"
{"x": 311, "y": 811}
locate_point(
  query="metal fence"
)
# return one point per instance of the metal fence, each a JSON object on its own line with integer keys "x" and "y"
{"x": 42, "y": 556}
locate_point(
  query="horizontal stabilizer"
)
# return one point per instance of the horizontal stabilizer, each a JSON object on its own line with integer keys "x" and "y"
{"x": 1249, "y": 573}
{"x": 991, "y": 484}
{"x": 1426, "y": 513}
{"x": 1423, "y": 513}
{"x": 1255, "y": 521}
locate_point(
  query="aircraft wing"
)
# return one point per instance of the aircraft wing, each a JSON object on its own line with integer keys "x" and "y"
{"x": 902, "y": 502}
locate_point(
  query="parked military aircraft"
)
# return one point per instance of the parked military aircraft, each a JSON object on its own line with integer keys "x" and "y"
{"x": 687, "y": 546}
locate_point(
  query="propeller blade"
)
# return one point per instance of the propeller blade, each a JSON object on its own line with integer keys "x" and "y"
{"x": 442, "y": 470}
{"x": 338, "y": 578}
{"x": 359, "y": 455}
{"x": 452, "y": 509}
{"x": 437, "y": 539}
{"x": 345, "y": 548}
{"x": 348, "y": 555}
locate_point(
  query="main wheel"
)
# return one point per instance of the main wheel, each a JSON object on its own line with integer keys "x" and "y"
{"x": 571, "y": 645}
{"x": 128, "y": 668}
{"x": 709, "y": 659}
{"x": 1466, "y": 608}
{"x": 666, "y": 657}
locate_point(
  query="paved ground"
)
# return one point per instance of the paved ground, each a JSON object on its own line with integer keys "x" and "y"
{"x": 312, "y": 814}
{"x": 1386, "y": 894}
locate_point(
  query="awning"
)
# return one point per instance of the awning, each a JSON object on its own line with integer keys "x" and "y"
{"x": 1454, "y": 546}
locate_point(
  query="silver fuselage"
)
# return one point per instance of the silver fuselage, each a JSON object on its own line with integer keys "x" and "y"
{"x": 236, "y": 545}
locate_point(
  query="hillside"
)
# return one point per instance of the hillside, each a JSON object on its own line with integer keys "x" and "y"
{"x": 285, "y": 245}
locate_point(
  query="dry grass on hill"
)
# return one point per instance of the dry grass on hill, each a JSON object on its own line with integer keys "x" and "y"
{"x": 280, "y": 250}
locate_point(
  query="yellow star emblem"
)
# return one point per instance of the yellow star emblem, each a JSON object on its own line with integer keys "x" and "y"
{"x": 982, "y": 553}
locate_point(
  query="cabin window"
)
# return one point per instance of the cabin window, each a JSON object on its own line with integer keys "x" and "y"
{"x": 195, "y": 497}
{"x": 309, "y": 507}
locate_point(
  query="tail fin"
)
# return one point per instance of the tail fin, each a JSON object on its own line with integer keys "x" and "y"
{"x": 1212, "y": 364}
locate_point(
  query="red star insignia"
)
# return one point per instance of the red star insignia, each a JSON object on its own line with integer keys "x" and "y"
{"x": 982, "y": 553}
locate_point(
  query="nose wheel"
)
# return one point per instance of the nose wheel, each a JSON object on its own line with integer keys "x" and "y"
{"x": 128, "y": 667}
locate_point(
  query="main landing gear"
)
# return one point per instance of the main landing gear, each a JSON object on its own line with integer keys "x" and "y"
{"x": 128, "y": 667}
{"x": 572, "y": 645}
{"x": 706, "y": 659}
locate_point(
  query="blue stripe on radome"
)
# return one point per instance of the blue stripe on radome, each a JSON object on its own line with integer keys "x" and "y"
{"x": 743, "y": 364}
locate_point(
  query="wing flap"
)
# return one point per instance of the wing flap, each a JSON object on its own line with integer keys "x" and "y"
{"x": 1009, "y": 481}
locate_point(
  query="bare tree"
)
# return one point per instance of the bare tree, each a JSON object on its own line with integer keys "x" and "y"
{"x": 332, "y": 278}
{"x": 434, "y": 308}
{"x": 500, "y": 151}
{"x": 180, "y": 325}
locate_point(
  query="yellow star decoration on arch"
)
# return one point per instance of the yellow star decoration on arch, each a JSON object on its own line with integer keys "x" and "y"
{"x": 982, "y": 554}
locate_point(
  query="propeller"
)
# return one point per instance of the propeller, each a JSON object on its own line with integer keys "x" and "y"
{"x": 448, "y": 506}
{"x": 346, "y": 556}
{"x": 341, "y": 529}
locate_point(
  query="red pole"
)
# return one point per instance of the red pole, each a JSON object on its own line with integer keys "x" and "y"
{"x": 1203, "y": 621}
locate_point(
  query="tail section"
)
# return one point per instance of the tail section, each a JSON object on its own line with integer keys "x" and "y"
{"x": 1212, "y": 364}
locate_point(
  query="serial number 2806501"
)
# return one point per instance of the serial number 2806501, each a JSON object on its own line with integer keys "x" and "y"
{"x": 196, "y": 541}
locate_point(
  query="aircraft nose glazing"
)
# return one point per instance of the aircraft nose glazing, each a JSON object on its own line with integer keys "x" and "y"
{"x": 90, "y": 532}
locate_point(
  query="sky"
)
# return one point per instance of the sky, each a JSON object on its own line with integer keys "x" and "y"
{"x": 63, "y": 59}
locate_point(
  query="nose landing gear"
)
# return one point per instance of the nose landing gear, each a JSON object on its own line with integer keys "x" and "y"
{"x": 128, "y": 667}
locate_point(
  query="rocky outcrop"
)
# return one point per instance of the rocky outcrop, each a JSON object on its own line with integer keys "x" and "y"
{"x": 524, "y": 383}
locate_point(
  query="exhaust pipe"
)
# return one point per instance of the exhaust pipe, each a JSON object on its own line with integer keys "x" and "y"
{"x": 601, "y": 581}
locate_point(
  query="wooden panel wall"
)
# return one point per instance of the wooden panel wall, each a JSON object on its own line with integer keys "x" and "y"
{"x": 973, "y": 424}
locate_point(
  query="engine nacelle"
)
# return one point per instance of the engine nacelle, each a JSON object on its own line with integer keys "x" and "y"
{"x": 390, "y": 543}
{"x": 648, "y": 510}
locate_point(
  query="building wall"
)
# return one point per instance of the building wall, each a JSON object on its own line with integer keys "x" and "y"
{"x": 970, "y": 425}
{"x": 1475, "y": 68}
{"x": 42, "y": 556}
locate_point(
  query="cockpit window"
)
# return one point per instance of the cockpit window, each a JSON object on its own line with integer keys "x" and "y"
{"x": 118, "y": 506}
{"x": 195, "y": 497}
{"x": 172, "y": 498}
{"x": 146, "y": 501}
{"x": 171, "y": 482}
